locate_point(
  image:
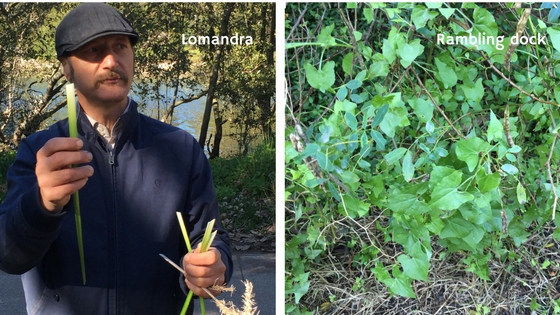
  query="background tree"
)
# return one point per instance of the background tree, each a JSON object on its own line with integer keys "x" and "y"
{"x": 247, "y": 80}
{"x": 216, "y": 62}
{"x": 26, "y": 59}
{"x": 168, "y": 73}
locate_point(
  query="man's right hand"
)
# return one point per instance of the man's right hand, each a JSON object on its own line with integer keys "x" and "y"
{"x": 56, "y": 178}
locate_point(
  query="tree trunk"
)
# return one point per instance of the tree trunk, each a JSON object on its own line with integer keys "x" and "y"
{"x": 215, "y": 71}
{"x": 265, "y": 102}
{"x": 218, "y": 121}
{"x": 169, "y": 113}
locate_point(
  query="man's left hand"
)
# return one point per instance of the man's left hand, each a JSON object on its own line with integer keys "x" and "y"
{"x": 203, "y": 270}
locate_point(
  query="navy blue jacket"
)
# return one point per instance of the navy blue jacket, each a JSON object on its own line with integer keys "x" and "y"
{"x": 128, "y": 218}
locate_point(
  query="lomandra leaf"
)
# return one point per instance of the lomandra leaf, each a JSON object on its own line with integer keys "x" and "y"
{"x": 73, "y": 131}
{"x": 321, "y": 79}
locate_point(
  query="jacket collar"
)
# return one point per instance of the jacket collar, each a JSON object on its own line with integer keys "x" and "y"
{"x": 129, "y": 120}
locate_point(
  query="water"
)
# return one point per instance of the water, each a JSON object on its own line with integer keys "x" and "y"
{"x": 187, "y": 116}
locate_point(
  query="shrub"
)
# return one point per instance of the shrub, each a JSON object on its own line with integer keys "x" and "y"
{"x": 405, "y": 155}
{"x": 245, "y": 187}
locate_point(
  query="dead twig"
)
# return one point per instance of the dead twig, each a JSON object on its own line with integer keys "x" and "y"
{"x": 553, "y": 188}
{"x": 501, "y": 74}
{"x": 436, "y": 105}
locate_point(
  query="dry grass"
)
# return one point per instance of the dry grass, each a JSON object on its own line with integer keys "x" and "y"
{"x": 228, "y": 308}
{"x": 514, "y": 285}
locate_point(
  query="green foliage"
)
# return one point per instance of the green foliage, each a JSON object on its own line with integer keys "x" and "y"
{"x": 6, "y": 158}
{"x": 168, "y": 72}
{"x": 451, "y": 146}
{"x": 246, "y": 180}
{"x": 26, "y": 57}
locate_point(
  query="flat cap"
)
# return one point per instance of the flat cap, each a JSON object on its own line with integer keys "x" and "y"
{"x": 89, "y": 21}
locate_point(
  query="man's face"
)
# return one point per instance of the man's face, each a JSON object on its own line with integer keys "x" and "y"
{"x": 102, "y": 69}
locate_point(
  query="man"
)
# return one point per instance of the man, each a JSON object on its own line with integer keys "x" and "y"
{"x": 133, "y": 174}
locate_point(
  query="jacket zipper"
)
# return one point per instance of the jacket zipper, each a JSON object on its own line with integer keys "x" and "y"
{"x": 113, "y": 298}
{"x": 111, "y": 157}
{"x": 115, "y": 220}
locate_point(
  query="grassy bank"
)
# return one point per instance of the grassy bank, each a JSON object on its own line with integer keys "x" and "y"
{"x": 6, "y": 158}
{"x": 245, "y": 186}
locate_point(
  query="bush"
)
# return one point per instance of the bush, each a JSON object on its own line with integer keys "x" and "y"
{"x": 245, "y": 187}
{"x": 6, "y": 158}
{"x": 414, "y": 167}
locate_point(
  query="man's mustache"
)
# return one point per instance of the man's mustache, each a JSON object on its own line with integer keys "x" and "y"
{"x": 112, "y": 75}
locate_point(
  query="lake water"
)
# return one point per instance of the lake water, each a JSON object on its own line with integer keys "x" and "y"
{"x": 187, "y": 116}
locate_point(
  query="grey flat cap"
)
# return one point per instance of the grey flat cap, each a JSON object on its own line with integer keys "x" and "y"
{"x": 87, "y": 22}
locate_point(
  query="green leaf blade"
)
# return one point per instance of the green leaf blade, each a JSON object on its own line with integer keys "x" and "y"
{"x": 395, "y": 155}
{"x": 469, "y": 150}
{"x": 73, "y": 132}
{"x": 321, "y": 79}
{"x": 495, "y": 128}
{"x": 446, "y": 195}
{"x": 408, "y": 166}
{"x": 415, "y": 267}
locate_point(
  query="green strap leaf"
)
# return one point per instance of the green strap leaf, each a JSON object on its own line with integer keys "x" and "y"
{"x": 73, "y": 131}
